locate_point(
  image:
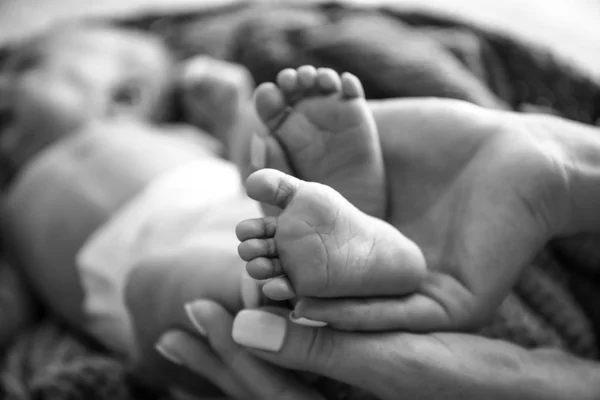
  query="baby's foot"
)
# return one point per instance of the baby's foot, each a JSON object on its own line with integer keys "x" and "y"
{"x": 323, "y": 244}
{"x": 213, "y": 93}
{"x": 325, "y": 126}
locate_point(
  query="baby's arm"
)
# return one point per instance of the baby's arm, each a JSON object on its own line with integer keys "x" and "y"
{"x": 158, "y": 289}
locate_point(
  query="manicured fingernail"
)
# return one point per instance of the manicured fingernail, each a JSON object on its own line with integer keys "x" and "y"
{"x": 258, "y": 152}
{"x": 191, "y": 313}
{"x": 259, "y": 329}
{"x": 250, "y": 292}
{"x": 279, "y": 289}
{"x": 306, "y": 321}
{"x": 165, "y": 347}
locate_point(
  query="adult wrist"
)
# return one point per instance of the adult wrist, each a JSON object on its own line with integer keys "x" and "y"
{"x": 544, "y": 374}
{"x": 554, "y": 374}
{"x": 578, "y": 149}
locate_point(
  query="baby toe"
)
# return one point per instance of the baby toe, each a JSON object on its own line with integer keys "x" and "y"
{"x": 272, "y": 187}
{"x": 307, "y": 76}
{"x": 351, "y": 86}
{"x": 254, "y": 248}
{"x": 270, "y": 104}
{"x": 264, "y": 268}
{"x": 279, "y": 289}
{"x": 287, "y": 80}
{"x": 256, "y": 228}
{"x": 328, "y": 81}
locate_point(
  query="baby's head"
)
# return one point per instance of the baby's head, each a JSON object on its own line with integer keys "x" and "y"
{"x": 75, "y": 74}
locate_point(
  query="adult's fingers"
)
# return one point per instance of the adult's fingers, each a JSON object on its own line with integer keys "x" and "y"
{"x": 194, "y": 354}
{"x": 413, "y": 313}
{"x": 270, "y": 334}
{"x": 390, "y": 365}
{"x": 402, "y": 365}
{"x": 264, "y": 381}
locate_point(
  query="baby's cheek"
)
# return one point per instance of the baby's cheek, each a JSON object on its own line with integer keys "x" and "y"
{"x": 52, "y": 107}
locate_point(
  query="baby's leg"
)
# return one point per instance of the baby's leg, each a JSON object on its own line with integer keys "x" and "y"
{"x": 327, "y": 131}
{"x": 324, "y": 244}
{"x": 253, "y": 148}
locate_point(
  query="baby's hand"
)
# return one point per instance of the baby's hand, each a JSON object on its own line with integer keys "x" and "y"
{"x": 213, "y": 94}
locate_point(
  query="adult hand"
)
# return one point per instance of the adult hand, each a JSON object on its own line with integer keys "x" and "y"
{"x": 417, "y": 366}
{"x": 202, "y": 361}
{"x": 479, "y": 191}
{"x": 229, "y": 366}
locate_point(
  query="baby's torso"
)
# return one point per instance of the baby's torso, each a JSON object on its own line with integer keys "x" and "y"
{"x": 126, "y": 188}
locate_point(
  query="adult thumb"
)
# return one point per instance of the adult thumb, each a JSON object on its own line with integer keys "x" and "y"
{"x": 270, "y": 335}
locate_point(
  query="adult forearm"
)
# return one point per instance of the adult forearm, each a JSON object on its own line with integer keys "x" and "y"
{"x": 579, "y": 148}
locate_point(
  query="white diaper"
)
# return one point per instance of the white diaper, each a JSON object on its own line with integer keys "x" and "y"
{"x": 194, "y": 200}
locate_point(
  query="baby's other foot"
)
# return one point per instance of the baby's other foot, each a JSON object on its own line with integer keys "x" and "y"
{"x": 213, "y": 94}
{"x": 325, "y": 126}
{"x": 324, "y": 245}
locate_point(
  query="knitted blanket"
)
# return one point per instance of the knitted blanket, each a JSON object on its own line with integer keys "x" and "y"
{"x": 557, "y": 300}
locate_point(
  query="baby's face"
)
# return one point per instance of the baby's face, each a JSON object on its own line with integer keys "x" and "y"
{"x": 46, "y": 102}
{"x": 60, "y": 86}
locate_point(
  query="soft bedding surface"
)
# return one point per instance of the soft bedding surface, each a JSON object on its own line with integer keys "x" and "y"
{"x": 407, "y": 54}
{"x": 569, "y": 27}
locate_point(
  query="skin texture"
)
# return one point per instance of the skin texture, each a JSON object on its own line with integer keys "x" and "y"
{"x": 322, "y": 243}
{"x": 477, "y": 190}
{"x": 325, "y": 125}
{"x": 427, "y": 366}
{"x": 402, "y": 219}
{"x": 433, "y": 365}
{"x": 323, "y": 121}
{"x": 479, "y": 194}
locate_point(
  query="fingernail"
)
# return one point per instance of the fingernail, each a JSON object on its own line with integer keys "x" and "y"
{"x": 259, "y": 329}
{"x": 165, "y": 347}
{"x": 306, "y": 321}
{"x": 258, "y": 152}
{"x": 250, "y": 292}
{"x": 191, "y": 313}
{"x": 279, "y": 289}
